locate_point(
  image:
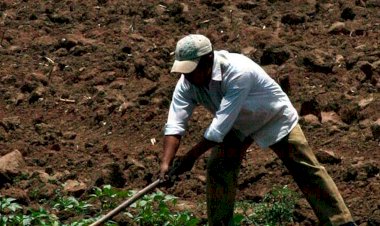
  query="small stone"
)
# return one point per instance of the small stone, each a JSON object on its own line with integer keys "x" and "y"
{"x": 365, "y": 102}
{"x": 74, "y": 187}
{"x": 366, "y": 123}
{"x": 44, "y": 177}
{"x": 12, "y": 162}
{"x": 311, "y": 120}
{"x": 19, "y": 98}
{"x": 333, "y": 130}
{"x": 185, "y": 205}
{"x": 201, "y": 178}
{"x": 15, "y": 49}
{"x": 327, "y": 156}
{"x": 331, "y": 117}
{"x": 319, "y": 60}
{"x": 11, "y": 165}
{"x": 69, "y": 135}
{"x": 338, "y": 28}
{"x": 37, "y": 94}
{"x": 10, "y": 123}
{"x": 134, "y": 162}
{"x": 248, "y": 50}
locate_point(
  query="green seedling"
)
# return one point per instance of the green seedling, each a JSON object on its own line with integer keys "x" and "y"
{"x": 43, "y": 217}
{"x": 8, "y": 204}
{"x": 154, "y": 209}
{"x": 71, "y": 204}
{"x": 107, "y": 196}
{"x": 276, "y": 208}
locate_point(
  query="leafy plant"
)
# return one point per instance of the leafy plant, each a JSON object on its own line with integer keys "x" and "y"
{"x": 8, "y": 204}
{"x": 276, "y": 208}
{"x": 71, "y": 204}
{"x": 7, "y": 209}
{"x": 43, "y": 217}
{"x": 10, "y": 215}
{"x": 106, "y": 195}
{"x": 154, "y": 209}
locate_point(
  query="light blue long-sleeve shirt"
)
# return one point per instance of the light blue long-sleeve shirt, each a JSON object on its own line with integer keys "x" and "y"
{"x": 241, "y": 95}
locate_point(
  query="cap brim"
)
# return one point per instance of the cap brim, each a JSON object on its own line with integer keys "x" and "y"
{"x": 185, "y": 66}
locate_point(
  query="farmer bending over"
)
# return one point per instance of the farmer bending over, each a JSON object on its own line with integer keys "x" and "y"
{"x": 248, "y": 106}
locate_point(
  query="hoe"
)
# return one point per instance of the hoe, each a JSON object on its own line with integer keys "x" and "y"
{"x": 127, "y": 203}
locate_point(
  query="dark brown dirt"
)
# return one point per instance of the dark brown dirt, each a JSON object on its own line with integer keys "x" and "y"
{"x": 85, "y": 86}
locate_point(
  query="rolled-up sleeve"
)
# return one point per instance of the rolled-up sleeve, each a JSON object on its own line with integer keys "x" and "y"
{"x": 180, "y": 110}
{"x": 237, "y": 91}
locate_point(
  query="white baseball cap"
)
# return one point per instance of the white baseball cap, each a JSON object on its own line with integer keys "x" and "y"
{"x": 188, "y": 52}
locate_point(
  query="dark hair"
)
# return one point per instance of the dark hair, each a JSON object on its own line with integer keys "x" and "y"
{"x": 207, "y": 59}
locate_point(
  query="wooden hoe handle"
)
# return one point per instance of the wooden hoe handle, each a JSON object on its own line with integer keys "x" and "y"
{"x": 126, "y": 203}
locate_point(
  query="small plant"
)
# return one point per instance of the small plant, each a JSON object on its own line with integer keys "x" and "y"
{"x": 71, "y": 204}
{"x": 43, "y": 217}
{"x": 107, "y": 196}
{"x": 276, "y": 208}
{"x": 8, "y": 204}
{"x": 154, "y": 209}
{"x": 106, "y": 192}
{"x": 10, "y": 214}
{"x": 7, "y": 209}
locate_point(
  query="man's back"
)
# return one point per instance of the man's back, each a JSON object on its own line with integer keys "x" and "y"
{"x": 242, "y": 96}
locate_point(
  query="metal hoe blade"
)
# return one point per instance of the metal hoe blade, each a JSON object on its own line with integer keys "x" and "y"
{"x": 126, "y": 203}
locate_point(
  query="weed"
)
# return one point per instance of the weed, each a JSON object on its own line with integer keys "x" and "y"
{"x": 71, "y": 204}
{"x": 8, "y": 204}
{"x": 276, "y": 208}
{"x": 154, "y": 209}
{"x": 10, "y": 215}
{"x": 107, "y": 196}
{"x": 43, "y": 217}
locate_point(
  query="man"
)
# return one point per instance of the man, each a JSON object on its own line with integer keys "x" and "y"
{"x": 248, "y": 106}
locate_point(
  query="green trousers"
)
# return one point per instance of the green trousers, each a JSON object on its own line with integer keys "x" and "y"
{"x": 295, "y": 153}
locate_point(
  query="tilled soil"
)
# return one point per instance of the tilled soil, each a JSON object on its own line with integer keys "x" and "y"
{"x": 85, "y": 88}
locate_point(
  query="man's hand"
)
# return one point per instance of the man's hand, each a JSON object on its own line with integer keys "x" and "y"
{"x": 181, "y": 165}
{"x": 171, "y": 144}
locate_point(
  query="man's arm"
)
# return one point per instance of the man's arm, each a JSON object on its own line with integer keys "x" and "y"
{"x": 171, "y": 145}
{"x": 200, "y": 148}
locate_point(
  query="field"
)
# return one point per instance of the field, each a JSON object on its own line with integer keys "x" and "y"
{"x": 85, "y": 89}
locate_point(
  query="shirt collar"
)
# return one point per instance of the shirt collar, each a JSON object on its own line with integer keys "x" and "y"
{"x": 216, "y": 68}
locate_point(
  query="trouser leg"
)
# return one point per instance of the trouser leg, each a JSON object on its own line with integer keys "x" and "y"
{"x": 312, "y": 178}
{"x": 222, "y": 174}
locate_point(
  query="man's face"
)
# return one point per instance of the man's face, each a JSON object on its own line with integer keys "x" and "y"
{"x": 201, "y": 75}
